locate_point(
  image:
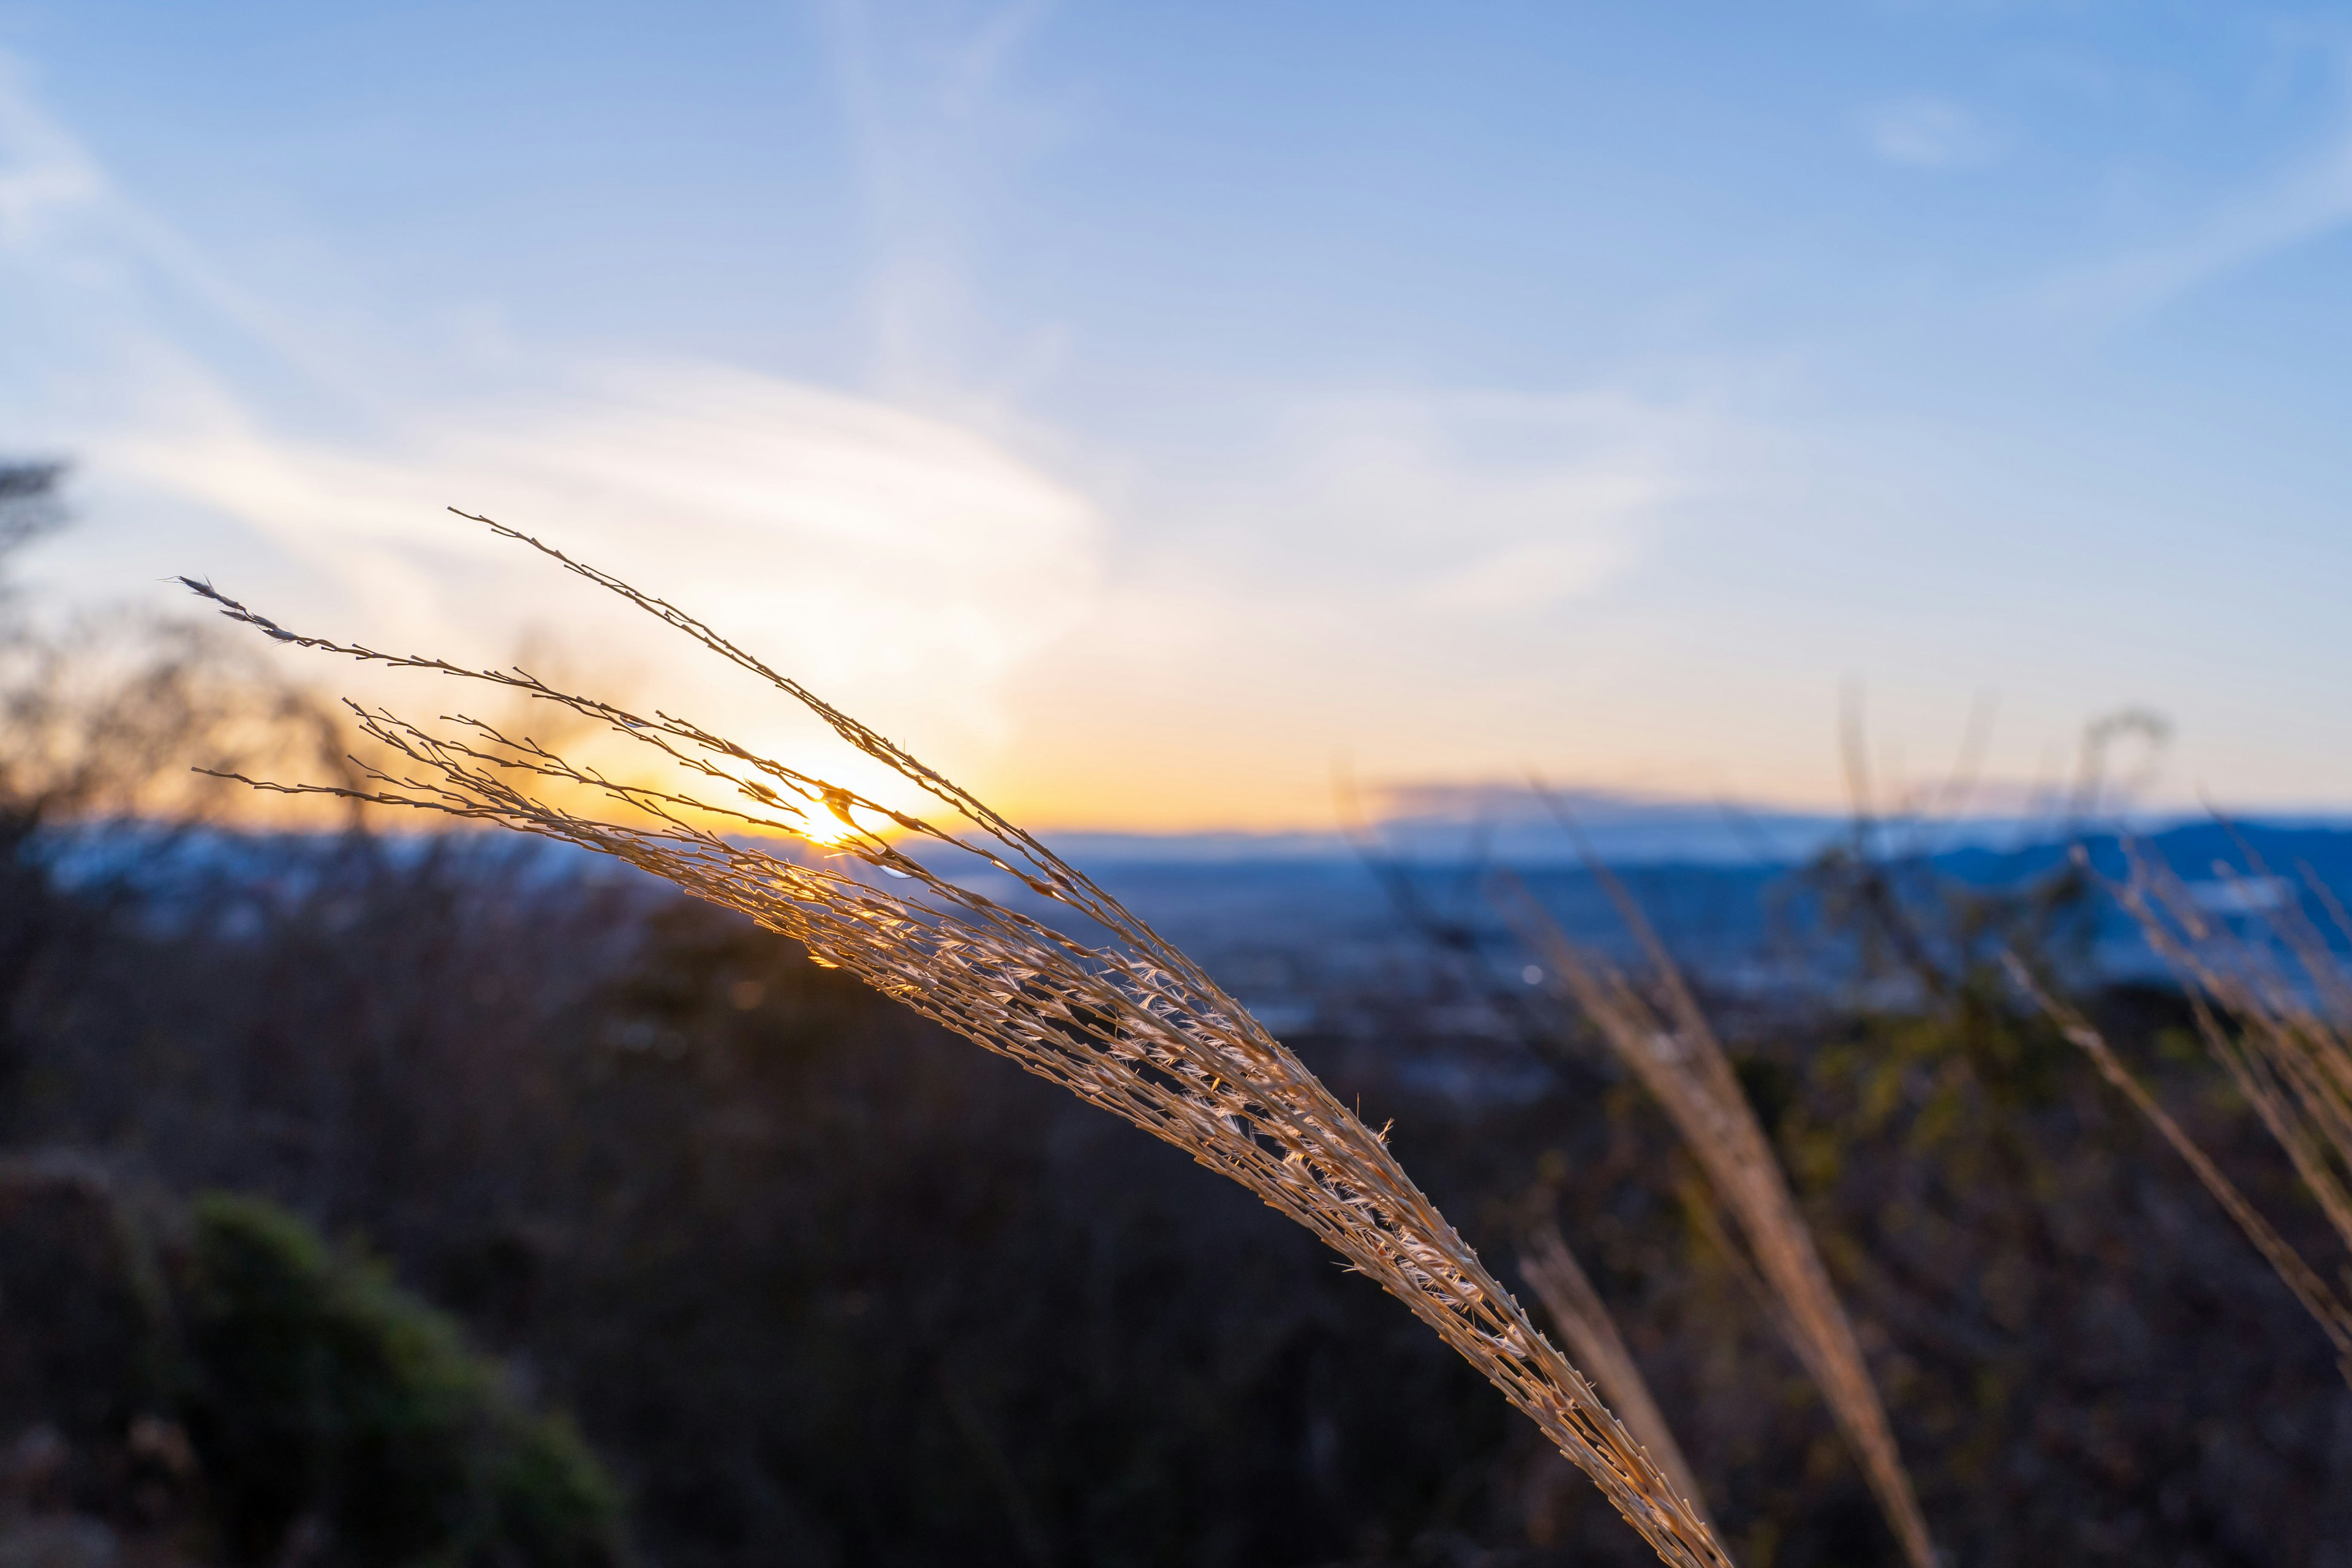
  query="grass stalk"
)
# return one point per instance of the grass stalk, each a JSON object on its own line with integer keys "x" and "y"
{"x": 2273, "y": 1008}
{"x": 2326, "y": 1306}
{"x": 1583, "y": 1320}
{"x": 1675, "y": 1055}
{"x": 1129, "y": 1023}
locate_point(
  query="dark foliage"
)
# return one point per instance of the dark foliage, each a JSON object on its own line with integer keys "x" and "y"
{"x": 219, "y": 1384}
{"x": 31, "y": 504}
{"x": 317, "y": 1395}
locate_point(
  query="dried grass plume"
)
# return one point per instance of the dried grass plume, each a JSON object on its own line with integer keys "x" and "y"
{"x": 1678, "y": 1060}
{"x": 1127, "y": 1023}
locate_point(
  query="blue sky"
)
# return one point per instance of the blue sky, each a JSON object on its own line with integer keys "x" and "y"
{"x": 1144, "y": 408}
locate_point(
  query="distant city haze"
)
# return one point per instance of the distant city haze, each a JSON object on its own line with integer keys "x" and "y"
{"x": 1193, "y": 419}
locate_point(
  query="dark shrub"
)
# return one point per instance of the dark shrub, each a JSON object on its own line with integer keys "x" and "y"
{"x": 321, "y": 1396}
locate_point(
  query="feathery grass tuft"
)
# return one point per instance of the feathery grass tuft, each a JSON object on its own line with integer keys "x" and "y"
{"x": 2326, "y": 1305}
{"x": 2290, "y": 1052}
{"x": 2275, "y": 1007}
{"x": 1677, "y": 1057}
{"x": 1132, "y": 1025}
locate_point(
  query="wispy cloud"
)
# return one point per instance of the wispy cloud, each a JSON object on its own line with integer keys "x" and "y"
{"x": 87, "y": 255}
{"x": 1399, "y": 579}
{"x": 1443, "y": 502}
{"x": 1477, "y": 504}
{"x": 2299, "y": 207}
{"x": 1528, "y": 575}
{"x": 907, "y": 562}
{"x": 905, "y": 565}
{"x": 1930, "y": 132}
{"x": 44, "y": 172}
{"x": 939, "y": 134}
{"x": 2304, "y": 201}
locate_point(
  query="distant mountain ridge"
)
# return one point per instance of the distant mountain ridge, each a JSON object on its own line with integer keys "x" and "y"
{"x": 1626, "y": 830}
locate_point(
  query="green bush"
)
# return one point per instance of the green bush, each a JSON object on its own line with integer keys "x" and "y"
{"x": 321, "y": 1398}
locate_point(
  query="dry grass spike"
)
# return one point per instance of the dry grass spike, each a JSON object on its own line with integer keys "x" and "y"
{"x": 2326, "y": 1307}
{"x": 1583, "y": 1320}
{"x": 1130, "y": 1025}
{"x": 1678, "y": 1060}
{"x": 2275, "y": 1008}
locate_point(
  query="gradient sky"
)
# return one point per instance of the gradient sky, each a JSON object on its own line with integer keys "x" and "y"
{"x": 1141, "y": 409}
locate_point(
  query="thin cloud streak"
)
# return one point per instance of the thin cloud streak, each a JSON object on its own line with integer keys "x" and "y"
{"x": 1933, "y": 133}
{"x": 67, "y": 221}
{"x": 874, "y": 548}
{"x": 2300, "y": 205}
{"x": 907, "y": 562}
{"x": 936, "y": 139}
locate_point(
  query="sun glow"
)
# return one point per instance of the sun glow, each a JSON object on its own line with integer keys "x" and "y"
{"x": 819, "y": 825}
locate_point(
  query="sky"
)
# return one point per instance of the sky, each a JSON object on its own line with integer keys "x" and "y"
{"x": 1150, "y": 413}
